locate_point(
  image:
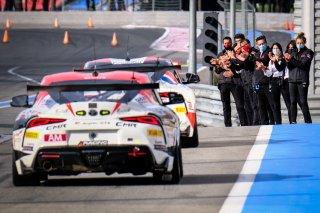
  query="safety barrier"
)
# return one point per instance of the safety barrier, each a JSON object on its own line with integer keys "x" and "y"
{"x": 209, "y": 106}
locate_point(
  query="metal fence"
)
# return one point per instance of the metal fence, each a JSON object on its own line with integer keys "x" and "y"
{"x": 164, "y": 5}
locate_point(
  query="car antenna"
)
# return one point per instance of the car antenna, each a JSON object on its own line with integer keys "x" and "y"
{"x": 128, "y": 58}
{"x": 95, "y": 72}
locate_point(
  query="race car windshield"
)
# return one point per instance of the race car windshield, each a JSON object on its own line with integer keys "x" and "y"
{"x": 122, "y": 96}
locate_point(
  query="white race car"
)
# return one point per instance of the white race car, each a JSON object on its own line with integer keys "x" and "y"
{"x": 96, "y": 122}
{"x": 167, "y": 73}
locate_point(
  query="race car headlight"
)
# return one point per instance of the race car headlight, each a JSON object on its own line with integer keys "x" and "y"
{"x": 43, "y": 121}
{"x": 143, "y": 119}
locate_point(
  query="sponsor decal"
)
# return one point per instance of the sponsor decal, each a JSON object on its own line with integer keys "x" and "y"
{"x": 47, "y": 101}
{"x": 55, "y": 138}
{"x": 130, "y": 139}
{"x": 181, "y": 110}
{"x": 16, "y": 137}
{"x": 91, "y": 123}
{"x": 137, "y": 141}
{"x": 140, "y": 99}
{"x": 190, "y": 106}
{"x": 32, "y": 135}
{"x": 95, "y": 77}
{"x": 161, "y": 147}
{"x": 122, "y": 124}
{"x": 56, "y": 127}
{"x": 154, "y": 133}
{"x": 132, "y": 61}
{"x": 62, "y": 111}
{"x": 165, "y": 100}
{"x": 27, "y": 148}
{"x": 93, "y": 143}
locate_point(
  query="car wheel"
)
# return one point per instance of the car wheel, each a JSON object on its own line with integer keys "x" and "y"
{"x": 181, "y": 163}
{"x": 191, "y": 141}
{"x": 175, "y": 175}
{"x": 176, "y": 170}
{"x": 157, "y": 177}
{"x": 23, "y": 180}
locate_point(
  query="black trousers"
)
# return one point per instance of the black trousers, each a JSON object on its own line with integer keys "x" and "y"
{"x": 91, "y": 6}
{"x": 286, "y": 97}
{"x": 276, "y": 86}
{"x": 251, "y": 105}
{"x": 299, "y": 91}
{"x": 265, "y": 98}
{"x": 237, "y": 93}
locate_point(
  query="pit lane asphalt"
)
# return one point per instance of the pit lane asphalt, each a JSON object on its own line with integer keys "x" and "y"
{"x": 210, "y": 170}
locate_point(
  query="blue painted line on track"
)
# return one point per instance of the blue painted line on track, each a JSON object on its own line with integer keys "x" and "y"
{"x": 289, "y": 176}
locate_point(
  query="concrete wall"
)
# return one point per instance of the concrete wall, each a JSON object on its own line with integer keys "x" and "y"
{"x": 107, "y": 19}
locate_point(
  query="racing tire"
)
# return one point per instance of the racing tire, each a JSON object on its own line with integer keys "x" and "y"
{"x": 181, "y": 163}
{"x": 175, "y": 175}
{"x": 23, "y": 180}
{"x": 191, "y": 141}
{"x": 176, "y": 170}
{"x": 157, "y": 177}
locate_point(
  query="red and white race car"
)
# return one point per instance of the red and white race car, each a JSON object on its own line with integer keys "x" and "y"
{"x": 96, "y": 122}
{"x": 168, "y": 73}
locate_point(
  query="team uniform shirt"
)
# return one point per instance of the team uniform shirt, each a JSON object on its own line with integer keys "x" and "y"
{"x": 273, "y": 71}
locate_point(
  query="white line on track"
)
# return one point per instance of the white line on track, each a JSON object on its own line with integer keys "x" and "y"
{"x": 11, "y": 71}
{"x": 238, "y": 194}
{"x": 165, "y": 34}
{"x": 6, "y": 104}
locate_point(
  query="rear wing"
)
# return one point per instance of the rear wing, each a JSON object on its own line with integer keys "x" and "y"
{"x": 92, "y": 87}
{"x": 130, "y": 67}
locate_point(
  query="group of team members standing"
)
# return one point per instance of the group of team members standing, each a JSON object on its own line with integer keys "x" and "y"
{"x": 257, "y": 77}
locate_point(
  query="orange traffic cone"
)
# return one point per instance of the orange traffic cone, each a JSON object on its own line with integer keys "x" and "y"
{"x": 56, "y": 23}
{"x": 292, "y": 25}
{"x": 90, "y": 22}
{"x": 114, "y": 41}
{"x": 66, "y": 38}
{"x": 287, "y": 25}
{"x": 8, "y": 24}
{"x": 5, "y": 37}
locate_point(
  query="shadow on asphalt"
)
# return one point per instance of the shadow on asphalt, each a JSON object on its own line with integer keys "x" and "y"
{"x": 187, "y": 180}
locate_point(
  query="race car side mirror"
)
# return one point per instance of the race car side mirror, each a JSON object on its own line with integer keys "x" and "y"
{"x": 171, "y": 98}
{"x": 20, "y": 101}
{"x": 191, "y": 78}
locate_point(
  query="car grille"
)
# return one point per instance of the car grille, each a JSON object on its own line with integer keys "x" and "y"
{"x": 93, "y": 158}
